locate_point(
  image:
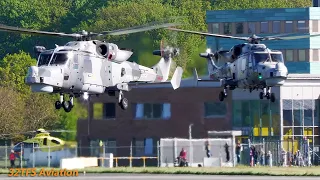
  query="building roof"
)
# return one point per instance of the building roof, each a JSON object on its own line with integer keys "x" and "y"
{"x": 293, "y": 79}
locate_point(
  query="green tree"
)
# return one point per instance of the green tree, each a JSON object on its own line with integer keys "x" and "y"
{"x": 11, "y": 111}
{"x": 39, "y": 112}
{"x": 13, "y": 70}
{"x": 255, "y": 4}
{"x": 122, "y": 14}
{"x": 68, "y": 121}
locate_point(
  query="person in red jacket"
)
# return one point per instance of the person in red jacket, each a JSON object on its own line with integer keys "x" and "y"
{"x": 12, "y": 157}
{"x": 183, "y": 154}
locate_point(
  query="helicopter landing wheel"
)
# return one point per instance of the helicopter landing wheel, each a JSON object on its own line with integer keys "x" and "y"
{"x": 57, "y": 104}
{"x": 222, "y": 95}
{"x": 268, "y": 95}
{"x": 124, "y": 103}
{"x": 272, "y": 97}
{"x": 67, "y": 106}
{"x": 261, "y": 95}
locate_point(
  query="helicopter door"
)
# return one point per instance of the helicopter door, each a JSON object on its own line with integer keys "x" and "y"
{"x": 74, "y": 70}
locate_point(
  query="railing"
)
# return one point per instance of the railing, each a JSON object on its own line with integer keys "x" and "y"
{"x": 129, "y": 158}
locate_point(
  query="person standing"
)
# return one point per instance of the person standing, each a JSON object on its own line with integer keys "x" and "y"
{"x": 238, "y": 149}
{"x": 226, "y": 146}
{"x": 12, "y": 158}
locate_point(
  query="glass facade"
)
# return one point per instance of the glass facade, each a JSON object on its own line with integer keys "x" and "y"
{"x": 261, "y": 118}
{"x": 300, "y": 120}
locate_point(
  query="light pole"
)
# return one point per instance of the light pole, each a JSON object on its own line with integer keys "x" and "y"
{"x": 190, "y": 131}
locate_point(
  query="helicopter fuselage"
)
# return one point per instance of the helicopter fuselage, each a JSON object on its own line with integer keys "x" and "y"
{"x": 91, "y": 68}
{"x": 248, "y": 66}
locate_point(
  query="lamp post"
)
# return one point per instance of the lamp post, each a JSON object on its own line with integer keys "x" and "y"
{"x": 190, "y": 131}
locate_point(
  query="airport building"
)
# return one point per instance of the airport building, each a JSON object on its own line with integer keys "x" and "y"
{"x": 295, "y": 115}
{"x": 158, "y": 111}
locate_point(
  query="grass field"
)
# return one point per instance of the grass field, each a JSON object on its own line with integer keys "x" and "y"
{"x": 262, "y": 171}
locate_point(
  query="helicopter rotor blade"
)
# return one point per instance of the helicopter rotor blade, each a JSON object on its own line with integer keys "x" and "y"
{"x": 138, "y": 29}
{"x": 292, "y": 37}
{"x": 208, "y": 34}
{"x": 31, "y": 31}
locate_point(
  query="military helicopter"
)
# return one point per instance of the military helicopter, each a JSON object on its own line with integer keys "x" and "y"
{"x": 92, "y": 67}
{"x": 37, "y": 150}
{"x": 250, "y": 65}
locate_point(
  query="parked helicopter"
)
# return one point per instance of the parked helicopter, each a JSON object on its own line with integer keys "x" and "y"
{"x": 92, "y": 67}
{"x": 37, "y": 150}
{"x": 249, "y": 65}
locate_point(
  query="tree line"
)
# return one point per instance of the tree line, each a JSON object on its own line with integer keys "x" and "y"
{"x": 21, "y": 110}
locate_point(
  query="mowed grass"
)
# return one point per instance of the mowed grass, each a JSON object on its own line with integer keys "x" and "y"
{"x": 259, "y": 171}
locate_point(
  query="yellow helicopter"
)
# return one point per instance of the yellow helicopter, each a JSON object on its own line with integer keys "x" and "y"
{"x": 43, "y": 149}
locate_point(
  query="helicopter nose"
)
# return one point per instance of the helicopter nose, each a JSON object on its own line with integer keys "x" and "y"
{"x": 277, "y": 75}
{"x": 281, "y": 70}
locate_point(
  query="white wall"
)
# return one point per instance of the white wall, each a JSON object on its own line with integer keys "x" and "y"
{"x": 300, "y": 92}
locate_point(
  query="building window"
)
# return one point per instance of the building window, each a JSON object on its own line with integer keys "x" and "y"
{"x": 289, "y": 27}
{"x": 239, "y": 28}
{"x": 144, "y": 147}
{"x": 315, "y": 54}
{"x": 251, "y": 27}
{"x": 148, "y": 146}
{"x": 289, "y": 55}
{"x": 227, "y": 28}
{"x": 276, "y": 26}
{"x": 109, "y": 111}
{"x": 97, "y": 111}
{"x": 302, "y": 55}
{"x": 215, "y": 109}
{"x": 153, "y": 111}
{"x": 110, "y": 146}
{"x": 302, "y": 26}
{"x": 264, "y": 27}
{"x": 138, "y": 147}
{"x": 215, "y": 28}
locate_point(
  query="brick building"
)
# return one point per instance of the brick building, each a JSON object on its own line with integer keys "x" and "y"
{"x": 156, "y": 111}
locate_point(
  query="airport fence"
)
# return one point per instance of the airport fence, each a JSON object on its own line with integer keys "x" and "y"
{"x": 166, "y": 151}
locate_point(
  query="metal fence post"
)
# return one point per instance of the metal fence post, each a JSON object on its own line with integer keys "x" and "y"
{"x": 33, "y": 156}
{"x": 264, "y": 152}
{"x": 21, "y": 156}
{"x": 6, "y": 149}
{"x": 104, "y": 154}
{"x": 130, "y": 158}
{"x": 158, "y": 153}
{"x": 49, "y": 156}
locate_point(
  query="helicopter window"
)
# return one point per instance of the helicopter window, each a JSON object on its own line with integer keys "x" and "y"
{"x": 44, "y": 59}
{"x": 55, "y": 141}
{"x": 260, "y": 57}
{"x": 59, "y": 58}
{"x": 45, "y": 141}
{"x": 251, "y": 27}
{"x": 276, "y": 57}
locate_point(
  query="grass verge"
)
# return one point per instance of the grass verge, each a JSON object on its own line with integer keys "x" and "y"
{"x": 257, "y": 171}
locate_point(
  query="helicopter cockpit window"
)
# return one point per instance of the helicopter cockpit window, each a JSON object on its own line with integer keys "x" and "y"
{"x": 44, "y": 59}
{"x": 59, "y": 58}
{"x": 260, "y": 57}
{"x": 45, "y": 141}
{"x": 55, "y": 141}
{"x": 276, "y": 57}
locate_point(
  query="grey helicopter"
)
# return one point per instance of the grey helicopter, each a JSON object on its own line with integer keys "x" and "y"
{"x": 250, "y": 65}
{"x": 86, "y": 66}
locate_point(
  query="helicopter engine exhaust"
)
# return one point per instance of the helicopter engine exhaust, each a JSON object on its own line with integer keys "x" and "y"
{"x": 113, "y": 53}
